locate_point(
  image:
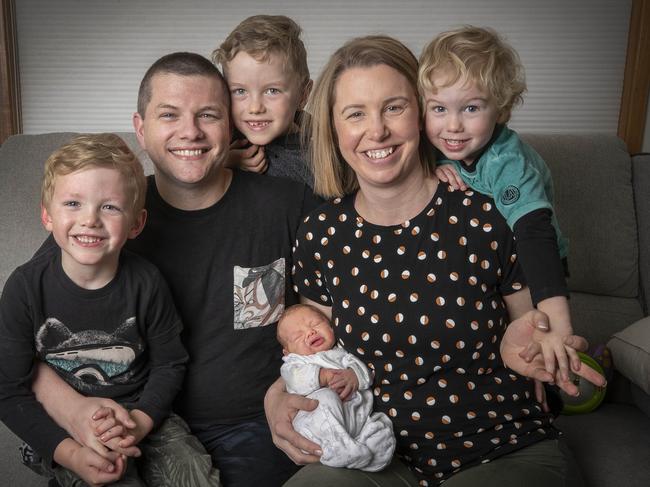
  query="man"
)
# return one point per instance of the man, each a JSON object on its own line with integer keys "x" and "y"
{"x": 222, "y": 240}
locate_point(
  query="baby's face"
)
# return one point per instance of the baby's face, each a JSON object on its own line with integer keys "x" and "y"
{"x": 459, "y": 118}
{"x": 306, "y": 332}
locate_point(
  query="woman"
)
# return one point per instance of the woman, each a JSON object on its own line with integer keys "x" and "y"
{"x": 419, "y": 282}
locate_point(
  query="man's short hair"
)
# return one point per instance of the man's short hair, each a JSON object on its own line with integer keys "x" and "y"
{"x": 181, "y": 64}
{"x": 261, "y": 35}
{"x": 96, "y": 150}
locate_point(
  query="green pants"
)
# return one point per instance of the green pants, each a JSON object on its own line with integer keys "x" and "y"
{"x": 171, "y": 457}
{"x": 548, "y": 462}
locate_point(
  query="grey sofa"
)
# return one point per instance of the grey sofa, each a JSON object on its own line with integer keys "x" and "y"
{"x": 603, "y": 205}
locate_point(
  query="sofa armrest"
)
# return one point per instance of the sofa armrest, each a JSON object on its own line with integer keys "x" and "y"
{"x": 631, "y": 353}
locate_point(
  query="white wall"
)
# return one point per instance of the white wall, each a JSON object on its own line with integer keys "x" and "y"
{"x": 81, "y": 60}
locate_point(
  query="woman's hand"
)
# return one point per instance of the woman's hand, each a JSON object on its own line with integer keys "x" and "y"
{"x": 517, "y": 342}
{"x": 280, "y": 408}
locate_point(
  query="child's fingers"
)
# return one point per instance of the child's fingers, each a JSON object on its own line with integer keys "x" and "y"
{"x": 115, "y": 432}
{"x": 549, "y": 359}
{"x": 238, "y": 144}
{"x": 103, "y": 413}
{"x": 562, "y": 361}
{"x": 442, "y": 175}
{"x": 574, "y": 359}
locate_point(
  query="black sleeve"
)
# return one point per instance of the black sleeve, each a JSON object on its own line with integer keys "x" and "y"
{"x": 167, "y": 355}
{"x": 19, "y": 409}
{"x": 538, "y": 253}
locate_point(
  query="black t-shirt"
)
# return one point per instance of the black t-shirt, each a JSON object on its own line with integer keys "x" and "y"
{"x": 121, "y": 341}
{"x": 421, "y": 303}
{"x": 228, "y": 267}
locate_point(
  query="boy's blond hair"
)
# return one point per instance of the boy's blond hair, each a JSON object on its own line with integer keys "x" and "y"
{"x": 333, "y": 177}
{"x": 478, "y": 55}
{"x": 96, "y": 150}
{"x": 261, "y": 35}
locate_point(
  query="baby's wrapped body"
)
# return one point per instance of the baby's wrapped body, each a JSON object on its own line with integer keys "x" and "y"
{"x": 348, "y": 432}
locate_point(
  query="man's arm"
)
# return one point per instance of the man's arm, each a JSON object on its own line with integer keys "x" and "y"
{"x": 74, "y": 412}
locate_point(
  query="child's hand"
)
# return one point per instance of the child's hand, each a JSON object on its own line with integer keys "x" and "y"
{"x": 448, "y": 174}
{"x": 522, "y": 354}
{"x": 115, "y": 435}
{"x": 325, "y": 376}
{"x": 554, "y": 349}
{"x": 122, "y": 439}
{"x": 250, "y": 158}
{"x": 93, "y": 468}
{"x": 345, "y": 383}
{"x": 90, "y": 410}
{"x": 558, "y": 357}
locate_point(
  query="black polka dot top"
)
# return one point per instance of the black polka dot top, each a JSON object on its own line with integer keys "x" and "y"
{"x": 421, "y": 304}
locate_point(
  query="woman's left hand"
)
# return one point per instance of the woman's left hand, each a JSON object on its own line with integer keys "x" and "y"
{"x": 517, "y": 339}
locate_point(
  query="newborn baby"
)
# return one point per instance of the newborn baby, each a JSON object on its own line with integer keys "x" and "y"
{"x": 348, "y": 432}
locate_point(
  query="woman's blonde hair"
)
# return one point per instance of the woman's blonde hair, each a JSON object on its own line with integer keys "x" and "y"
{"x": 96, "y": 150}
{"x": 479, "y": 55}
{"x": 333, "y": 177}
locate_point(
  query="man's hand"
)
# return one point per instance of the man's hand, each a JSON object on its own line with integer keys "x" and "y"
{"x": 250, "y": 158}
{"x": 448, "y": 174}
{"x": 280, "y": 408}
{"x": 96, "y": 470}
{"x": 517, "y": 342}
{"x": 345, "y": 383}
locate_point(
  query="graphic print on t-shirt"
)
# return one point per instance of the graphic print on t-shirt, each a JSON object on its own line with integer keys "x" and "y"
{"x": 89, "y": 358}
{"x": 258, "y": 294}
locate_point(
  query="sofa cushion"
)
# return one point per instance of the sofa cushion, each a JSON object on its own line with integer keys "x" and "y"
{"x": 631, "y": 353}
{"x": 592, "y": 175}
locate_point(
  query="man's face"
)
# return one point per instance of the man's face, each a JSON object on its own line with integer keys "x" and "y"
{"x": 185, "y": 130}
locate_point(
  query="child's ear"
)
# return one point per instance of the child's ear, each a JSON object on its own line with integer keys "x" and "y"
{"x": 305, "y": 94}
{"x": 138, "y": 223}
{"x": 503, "y": 117}
{"x": 46, "y": 220}
{"x": 285, "y": 351}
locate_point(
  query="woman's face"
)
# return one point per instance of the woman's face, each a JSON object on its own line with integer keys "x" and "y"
{"x": 377, "y": 124}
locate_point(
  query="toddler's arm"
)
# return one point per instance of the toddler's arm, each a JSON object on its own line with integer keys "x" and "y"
{"x": 250, "y": 158}
{"x": 538, "y": 253}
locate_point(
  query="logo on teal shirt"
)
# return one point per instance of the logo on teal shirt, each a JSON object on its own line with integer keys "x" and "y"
{"x": 509, "y": 195}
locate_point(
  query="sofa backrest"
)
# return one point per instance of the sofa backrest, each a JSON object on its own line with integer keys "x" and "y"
{"x": 594, "y": 201}
{"x": 595, "y": 206}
